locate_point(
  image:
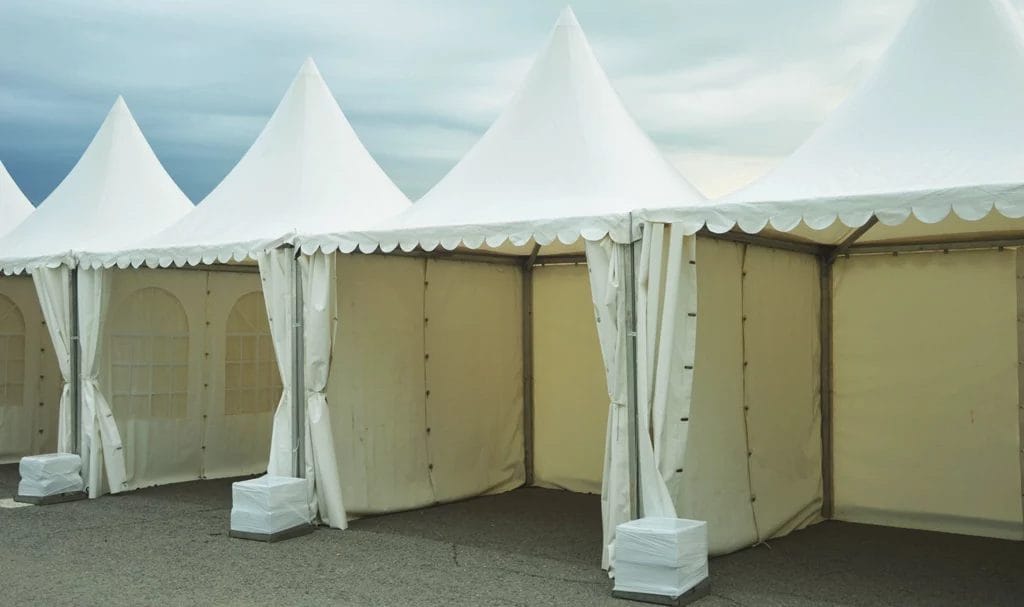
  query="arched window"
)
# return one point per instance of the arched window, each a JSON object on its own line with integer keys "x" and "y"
{"x": 252, "y": 383}
{"x": 149, "y": 356}
{"x": 12, "y": 354}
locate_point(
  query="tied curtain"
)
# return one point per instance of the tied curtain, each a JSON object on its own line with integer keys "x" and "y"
{"x": 665, "y": 278}
{"x": 100, "y": 442}
{"x": 319, "y": 319}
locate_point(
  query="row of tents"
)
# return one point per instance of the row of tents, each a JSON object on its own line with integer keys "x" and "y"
{"x": 839, "y": 340}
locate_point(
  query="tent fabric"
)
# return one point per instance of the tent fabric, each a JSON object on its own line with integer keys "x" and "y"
{"x": 569, "y": 392}
{"x": 117, "y": 194}
{"x": 99, "y": 441}
{"x": 932, "y": 133}
{"x": 307, "y": 171}
{"x": 53, "y": 289}
{"x": 782, "y": 388}
{"x": 101, "y": 438}
{"x": 277, "y": 267}
{"x": 607, "y": 262}
{"x": 14, "y": 206}
{"x": 564, "y": 160}
{"x": 937, "y": 359}
{"x": 319, "y": 320}
{"x": 167, "y": 371}
{"x": 768, "y": 449}
{"x": 30, "y": 379}
{"x": 666, "y": 344}
{"x": 426, "y": 386}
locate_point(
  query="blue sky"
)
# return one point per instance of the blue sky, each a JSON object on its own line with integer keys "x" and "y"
{"x": 725, "y": 87}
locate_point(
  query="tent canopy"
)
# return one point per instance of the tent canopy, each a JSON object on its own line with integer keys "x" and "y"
{"x": 936, "y": 128}
{"x": 117, "y": 193}
{"x": 14, "y": 206}
{"x": 565, "y": 159}
{"x": 306, "y": 171}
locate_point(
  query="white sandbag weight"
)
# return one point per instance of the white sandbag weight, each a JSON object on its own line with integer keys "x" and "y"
{"x": 269, "y": 508}
{"x": 664, "y": 557}
{"x": 49, "y": 475}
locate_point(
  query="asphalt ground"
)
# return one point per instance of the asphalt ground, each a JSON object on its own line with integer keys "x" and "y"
{"x": 169, "y": 546}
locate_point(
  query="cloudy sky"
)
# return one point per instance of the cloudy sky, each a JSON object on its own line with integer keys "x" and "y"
{"x": 725, "y": 87}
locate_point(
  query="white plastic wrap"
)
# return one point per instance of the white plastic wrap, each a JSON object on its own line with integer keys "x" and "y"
{"x": 663, "y": 556}
{"x": 269, "y": 504}
{"x": 50, "y": 474}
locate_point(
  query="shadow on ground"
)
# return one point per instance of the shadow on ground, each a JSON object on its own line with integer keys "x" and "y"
{"x": 169, "y": 546}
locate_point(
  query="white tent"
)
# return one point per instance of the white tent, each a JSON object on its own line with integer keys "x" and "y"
{"x": 910, "y": 200}
{"x": 26, "y": 428}
{"x": 495, "y": 376}
{"x": 564, "y": 160}
{"x": 117, "y": 193}
{"x": 306, "y": 170}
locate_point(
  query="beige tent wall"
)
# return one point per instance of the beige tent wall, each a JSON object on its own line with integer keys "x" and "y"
{"x": 570, "y": 397}
{"x": 165, "y": 350}
{"x": 926, "y": 392}
{"x": 242, "y": 382}
{"x": 715, "y": 483}
{"x": 781, "y": 309}
{"x": 753, "y": 461}
{"x": 426, "y": 381}
{"x": 777, "y": 292}
{"x": 30, "y": 380}
{"x": 376, "y": 387}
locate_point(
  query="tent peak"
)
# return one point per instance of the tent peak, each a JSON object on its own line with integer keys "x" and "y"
{"x": 567, "y": 18}
{"x": 309, "y": 68}
{"x": 119, "y": 105}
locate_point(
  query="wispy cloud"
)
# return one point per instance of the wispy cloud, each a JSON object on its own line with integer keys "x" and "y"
{"x": 725, "y": 87}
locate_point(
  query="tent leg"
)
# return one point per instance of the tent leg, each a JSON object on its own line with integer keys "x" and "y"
{"x": 76, "y": 365}
{"x": 298, "y": 373}
{"x": 632, "y": 408}
{"x": 528, "y": 461}
{"x": 826, "y": 263}
{"x": 825, "y": 336}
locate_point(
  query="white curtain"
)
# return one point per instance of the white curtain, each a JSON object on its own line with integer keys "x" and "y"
{"x": 277, "y": 268}
{"x": 667, "y": 333}
{"x": 100, "y": 437}
{"x": 320, "y": 309}
{"x": 319, "y": 297}
{"x": 100, "y": 440}
{"x": 665, "y": 296}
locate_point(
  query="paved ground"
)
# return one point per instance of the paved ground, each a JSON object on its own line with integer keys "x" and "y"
{"x": 168, "y": 546}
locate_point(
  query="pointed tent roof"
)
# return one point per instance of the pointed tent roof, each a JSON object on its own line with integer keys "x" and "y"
{"x": 117, "y": 193}
{"x": 14, "y": 206}
{"x": 936, "y": 127}
{"x": 564, "y": 159}
{"x": 307, "y": 171}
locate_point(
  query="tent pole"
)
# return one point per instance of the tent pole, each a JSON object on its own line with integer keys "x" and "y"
{"x": 632, "y": 408}
{"x": 298, "y": 371}
{"x": 825, "y": 336}
{"x": 826, "y": 264}
{"x": 528, "y": 462}
{"x": 74, "y": 391}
